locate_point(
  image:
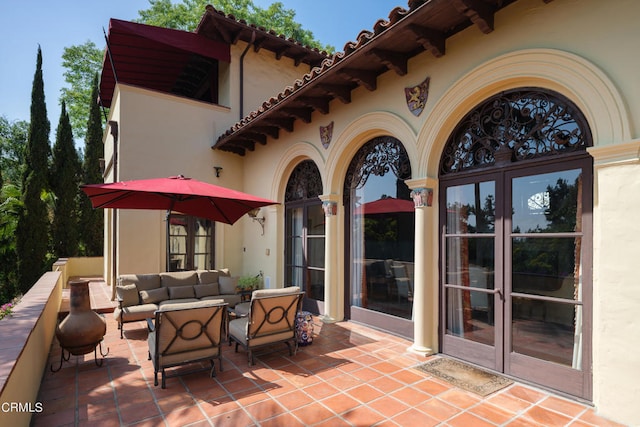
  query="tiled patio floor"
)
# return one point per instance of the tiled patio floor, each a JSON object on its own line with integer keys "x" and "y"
{"x": 350, "y": 376}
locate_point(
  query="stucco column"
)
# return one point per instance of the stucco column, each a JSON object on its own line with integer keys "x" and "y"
{"x": 331, "y": 292}
{"x": 425, "y": 300}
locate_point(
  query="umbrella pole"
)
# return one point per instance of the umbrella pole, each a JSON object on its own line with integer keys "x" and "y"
{"x": 167, "y": 242}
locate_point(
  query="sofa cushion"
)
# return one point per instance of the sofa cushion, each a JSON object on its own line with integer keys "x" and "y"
{"x": 142, "y": 281}
{"x": 153, "y": 296}
{"x": 209, "y": 290}
{"x": 178, "y": 278}
{"x": 128, "y": 294}
{"x": 228, "y": 285}
{"x": 178, "y": 292}
{"x": 178, "y": 301}
{"x": 208, "y": 276}
{"x": 136, "y": 312}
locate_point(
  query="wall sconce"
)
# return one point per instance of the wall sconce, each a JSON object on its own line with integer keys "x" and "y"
{"x": 218, "y": 170}
{"x": 253, "y": 214}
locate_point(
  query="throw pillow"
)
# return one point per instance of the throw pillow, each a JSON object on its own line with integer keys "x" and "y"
{"x": 179, "y": 292}
{"x": 154, "y": 296}
{"x": 128, "y": 294}
{"x": 228, "y": 285}
{"x": 208, "y": 290}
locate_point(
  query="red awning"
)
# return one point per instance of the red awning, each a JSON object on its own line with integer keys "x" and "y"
{"x": 152, "y": 57}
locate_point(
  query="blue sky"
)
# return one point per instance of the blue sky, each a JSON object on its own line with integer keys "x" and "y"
{"x": 55, "y": 25}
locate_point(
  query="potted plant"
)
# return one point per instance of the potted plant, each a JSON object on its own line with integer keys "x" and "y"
{"x": 249, "y": 283}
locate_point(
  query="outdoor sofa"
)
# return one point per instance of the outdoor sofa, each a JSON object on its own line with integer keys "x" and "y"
{"x": 187, "y": 333}
{"x": 140, "y": 295}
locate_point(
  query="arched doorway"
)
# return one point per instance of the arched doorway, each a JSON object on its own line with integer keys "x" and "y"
{"x": 516, "y": 202}
{"x": 305, "y": 235}
{"x": 379, "y": 237}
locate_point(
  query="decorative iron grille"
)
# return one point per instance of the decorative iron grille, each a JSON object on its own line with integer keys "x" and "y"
{"x": 377, "y": 157}
{"x": 304, "y": 183}
{"x": 513, "y": 126}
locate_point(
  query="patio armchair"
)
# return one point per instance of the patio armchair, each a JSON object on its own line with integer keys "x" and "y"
{"x": 186, "y": 333}
{"x": 271, "y": 320}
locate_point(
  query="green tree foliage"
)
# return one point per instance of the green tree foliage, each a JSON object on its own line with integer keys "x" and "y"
{"x": 32, "y": 231}
{"x": 13, "y": 139}
{"x": 65, "y": 178}
{"x": 92, "y": 220}
{"x": 10, "y": 208}
{"x": 81, "y": 63}
{"x": 187, "y": 15}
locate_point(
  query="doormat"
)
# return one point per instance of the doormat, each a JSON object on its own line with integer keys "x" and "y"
{"x": 465, "y": 376}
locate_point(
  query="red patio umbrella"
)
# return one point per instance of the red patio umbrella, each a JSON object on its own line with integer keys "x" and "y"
{"x": 175, "y": 193}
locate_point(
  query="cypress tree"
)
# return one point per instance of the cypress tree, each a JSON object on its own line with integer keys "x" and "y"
{"x": 65, "y": 179}
{"x": 92, "y": 220}
{"x": 33, "y": 225}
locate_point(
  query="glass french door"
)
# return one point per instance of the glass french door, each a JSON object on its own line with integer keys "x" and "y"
{"x": 516, "y": 273}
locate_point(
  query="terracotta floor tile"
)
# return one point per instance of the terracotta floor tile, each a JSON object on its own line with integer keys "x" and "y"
{"x": 282, "y": 420}
{"x": 410, "y": 396}
{"x": 105, "y": 420}
{"x": 237, "y": 417}
{"x": 265, "y": 409}
{"x": 591, "y": 417}
{"x": 386, "y": 367}
{"x": 388, "y": 406}
{"x": 366, "y": 374}
{"x": 320, "y": 390}
{"x": 546, "y": 417}
{"x": 177, "y": 401}
{"x": 437, "y": 409}
{"x": 362, "y": 416}
{"x": 412, "y": 418}
{"x": 334, "y": 422}
{"x": 386, "y": 384}
{"x": 313, "y": 414}
{"x": 467, "y": 419}
{"x": 365, "y": 393}
{"x": 459, "y": 398}
{"x": 138, "y": 412}
{"x": 508, "y": 402}
{"x": 185, "y": 416}
{"x": 526, "y": 393}
{"x": 215, "y": 407}
{"x": 294, "y": 400}
{"x": 563, "y": 406}
{"x": 491, "y": 413}
{"x": 407, "y": 376}
{"x": 432, "y": 387}
{"x": 340, "y": 403}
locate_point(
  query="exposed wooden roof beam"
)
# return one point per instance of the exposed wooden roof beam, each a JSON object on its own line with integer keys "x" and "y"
{"x": 272, "y": 131}
{"x": 256, "y": 137}
{"x": 393, "y": 60}
{"x": 320, "y": 104}
{"x": 342, "y": 92}
{"x": 282, "y": 123}
{"x": 431, "y": 40}
{"x": 479, "y": 12}
{"x": 302, "y": 113}
{"x": 364, "y": 78}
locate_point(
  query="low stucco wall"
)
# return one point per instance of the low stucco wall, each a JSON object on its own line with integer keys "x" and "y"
{"x": 24, "y": 349}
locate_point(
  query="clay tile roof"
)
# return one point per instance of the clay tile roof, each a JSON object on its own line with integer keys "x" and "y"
{"x": 424, "y": 26}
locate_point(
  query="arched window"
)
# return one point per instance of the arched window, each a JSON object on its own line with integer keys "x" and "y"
{"x": 304, "y": 238}
{"x": 380, "y": 233}
{"x": 515, "y": 214}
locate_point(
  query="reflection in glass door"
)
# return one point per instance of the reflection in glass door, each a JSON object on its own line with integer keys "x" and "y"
{"x": 191, "y": 242}
{"x": 471, "y": 300}
{"x": 514, "y": 275}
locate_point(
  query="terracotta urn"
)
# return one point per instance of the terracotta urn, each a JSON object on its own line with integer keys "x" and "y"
{"x": 83, "y": 329}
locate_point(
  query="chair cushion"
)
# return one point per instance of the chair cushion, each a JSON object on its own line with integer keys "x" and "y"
{"x": 228, "y": 285}
{"x": 238, "y": 329}
{"x": 207, "y": 290}
{"x": 242, "y": 309}
{"x": 153, "y": 296}
{"x": 128, "y": 294}
{"x": 176, "y": 292}
{"x": 136, "y": 312}
{"x": 273, "y": 292}
{"x": 173, "y": 302}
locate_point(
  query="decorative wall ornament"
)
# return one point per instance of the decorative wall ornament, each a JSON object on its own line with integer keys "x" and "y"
{"x": 422, "y": 197}
{"x": 326, "y": 133}
{"x": 417, "y": 97}
{"x": 330, "y": 208}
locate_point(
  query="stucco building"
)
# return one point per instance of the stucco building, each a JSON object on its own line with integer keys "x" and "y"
{"x": 464, "y": 174}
